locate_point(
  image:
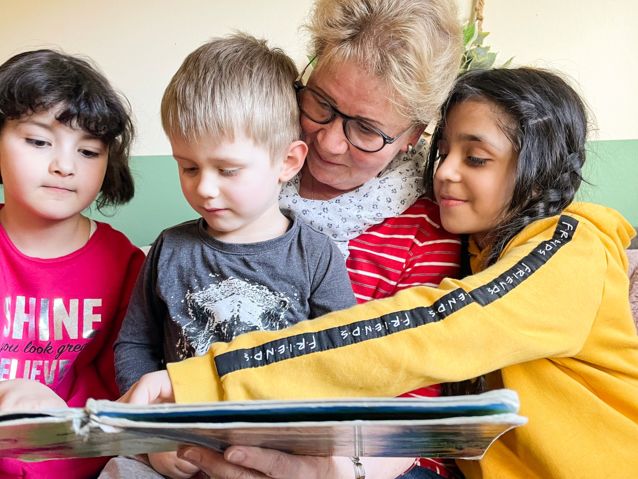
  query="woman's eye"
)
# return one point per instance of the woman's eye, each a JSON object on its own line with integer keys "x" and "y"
{"x": 364, "y": 129}
{"x": 189, "y": 170}
{"x": 320, "y": 102}
{"x": 324, "y": 104}
{"x": 476, "y": 161}
{"x": 37, "y": 142}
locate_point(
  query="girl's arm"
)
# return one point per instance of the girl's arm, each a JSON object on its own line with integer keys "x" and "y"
{"x": 538, "y": 301}
{"x": 106, "y": 360}
{"x": 94, "y": 374}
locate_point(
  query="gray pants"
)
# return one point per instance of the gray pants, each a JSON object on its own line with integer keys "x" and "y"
{"x": 134, "y": 467}
{"x": 129, "y": 467}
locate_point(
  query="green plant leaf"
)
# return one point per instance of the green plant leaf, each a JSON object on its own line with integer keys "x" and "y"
{"x": 507, "y": 63}
{"x": 480, "y": 37}
{"x": 480, "y": 52}
{"x": 477, "y": 55}
{"x": 486, "y": 61}
{"x": 469, "y": 33}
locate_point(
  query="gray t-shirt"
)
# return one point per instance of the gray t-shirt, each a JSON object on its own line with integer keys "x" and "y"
{"x": 194, "y": 290}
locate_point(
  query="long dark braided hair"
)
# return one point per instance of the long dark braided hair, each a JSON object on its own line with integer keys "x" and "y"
{"x": 546, "y": 122}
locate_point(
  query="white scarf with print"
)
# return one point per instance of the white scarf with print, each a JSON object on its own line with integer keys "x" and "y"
{"x": 350, "y": 214}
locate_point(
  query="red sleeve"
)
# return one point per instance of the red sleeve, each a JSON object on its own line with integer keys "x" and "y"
{"x": 93, "y": 372}
{"x": 105, "y": 362}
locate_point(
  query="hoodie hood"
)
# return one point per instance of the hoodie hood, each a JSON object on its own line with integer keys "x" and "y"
{"x": 614, "y": 230}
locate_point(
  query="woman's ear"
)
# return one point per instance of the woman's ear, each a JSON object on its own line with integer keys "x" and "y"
{"x": 293, "y": 161}
{"x": 413, "y": 137}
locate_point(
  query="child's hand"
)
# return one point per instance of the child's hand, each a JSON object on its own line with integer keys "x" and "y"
{"x": 168, "y": 464}
{"x": 28, "y": 395}
{"x": 151, "y": 388}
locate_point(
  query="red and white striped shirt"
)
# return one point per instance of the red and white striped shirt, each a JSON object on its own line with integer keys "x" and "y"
{"x": 411, "y": 249}
{"x": 408, "y": 250}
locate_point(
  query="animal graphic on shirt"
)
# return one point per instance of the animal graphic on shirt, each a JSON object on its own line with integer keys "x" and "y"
{"x": 231, "y": 307}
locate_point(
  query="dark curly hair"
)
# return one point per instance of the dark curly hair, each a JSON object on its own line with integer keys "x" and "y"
{"x": 546, "y": 122}
{"x": 38, "y": 80}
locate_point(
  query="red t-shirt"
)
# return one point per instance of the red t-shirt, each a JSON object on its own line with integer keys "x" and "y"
{"x": 408, "y": 250}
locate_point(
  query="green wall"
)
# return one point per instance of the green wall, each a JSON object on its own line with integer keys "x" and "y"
{"x": 158, "y": 201}
{"x": 611, "y": 169}
{"x": 612, "y": 172}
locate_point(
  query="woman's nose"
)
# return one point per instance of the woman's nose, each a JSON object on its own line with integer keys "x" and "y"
{"x": 332, "y": 138}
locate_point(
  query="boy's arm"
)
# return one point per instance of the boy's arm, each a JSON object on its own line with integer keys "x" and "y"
{"x": 331, "y": 289}
{"x": 139, "y": 347}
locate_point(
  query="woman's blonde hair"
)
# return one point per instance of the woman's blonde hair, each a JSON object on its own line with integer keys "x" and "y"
{"x": 413, "y": 46}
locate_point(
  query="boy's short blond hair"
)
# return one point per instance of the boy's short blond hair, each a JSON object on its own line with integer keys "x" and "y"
{"x": 413, "y": 46}
{"x": 231, "y": 85}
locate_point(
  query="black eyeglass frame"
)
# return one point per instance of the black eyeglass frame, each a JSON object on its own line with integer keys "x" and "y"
{"x": 387, "y": 139}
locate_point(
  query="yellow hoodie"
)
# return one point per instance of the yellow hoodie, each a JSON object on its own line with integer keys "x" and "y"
{"x": 551, "y": 320}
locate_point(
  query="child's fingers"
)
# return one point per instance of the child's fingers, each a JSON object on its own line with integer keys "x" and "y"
{"x": 151, "y": 388}
{"x": 28, "y": 395}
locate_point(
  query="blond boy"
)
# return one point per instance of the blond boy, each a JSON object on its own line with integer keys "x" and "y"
{"x": 231, "y": 115}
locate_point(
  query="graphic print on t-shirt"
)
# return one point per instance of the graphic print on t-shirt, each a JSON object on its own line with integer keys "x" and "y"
{"x": 227, "y": 308}
{"x": 39, "y": 337}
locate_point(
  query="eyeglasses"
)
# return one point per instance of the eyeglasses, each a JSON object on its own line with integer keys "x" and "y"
{"x": 359, "y": 133}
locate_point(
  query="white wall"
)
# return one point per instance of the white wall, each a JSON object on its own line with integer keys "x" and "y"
{"x": 140, "y": 43}
{"x": 594, "y": 42}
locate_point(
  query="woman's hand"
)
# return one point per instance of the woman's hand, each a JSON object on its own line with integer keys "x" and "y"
{"x": 152, "y": 388}
{"x": 28, "y": 395}
{"x": 242, "y": 462}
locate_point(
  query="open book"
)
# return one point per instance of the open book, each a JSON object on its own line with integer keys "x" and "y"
{"x": 454, "y": 426}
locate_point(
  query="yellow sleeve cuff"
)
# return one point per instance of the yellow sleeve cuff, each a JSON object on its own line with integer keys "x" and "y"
{"x": 195, "y": 380}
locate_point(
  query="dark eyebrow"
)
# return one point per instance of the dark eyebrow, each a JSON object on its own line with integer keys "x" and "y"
{"x": 47, "y": 126}
{"x": 478, "y": 138}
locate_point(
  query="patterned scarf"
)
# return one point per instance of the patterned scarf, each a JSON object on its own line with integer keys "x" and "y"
{"x": 350, "y": 214}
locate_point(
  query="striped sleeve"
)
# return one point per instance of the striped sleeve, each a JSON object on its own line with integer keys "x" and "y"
{"x": 408, "y": 250}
